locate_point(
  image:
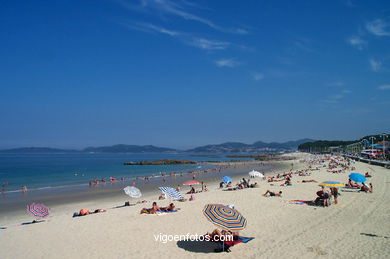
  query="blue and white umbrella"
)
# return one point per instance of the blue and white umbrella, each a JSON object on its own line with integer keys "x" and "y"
{"x": 171, "y": 192}
{"x": 226, "y": 179}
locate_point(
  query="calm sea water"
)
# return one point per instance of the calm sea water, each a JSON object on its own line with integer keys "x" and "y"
{"x": 46, "y": 171}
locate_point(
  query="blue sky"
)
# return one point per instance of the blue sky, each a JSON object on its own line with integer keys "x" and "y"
{"x": 187, "y": 73}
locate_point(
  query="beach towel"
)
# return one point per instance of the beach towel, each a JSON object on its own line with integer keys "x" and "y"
{"x": 300, "y": 202}
{"x": 160, "y": 213}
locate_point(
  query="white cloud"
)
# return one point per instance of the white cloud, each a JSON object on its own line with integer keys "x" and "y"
{"x": 178, "y": 8}
{"x": 226, "y": 63}
{"x": 375, "y": 65}
{"x": 147, "y": 27}
{"x": 378, "y": 27}
{"x": 384, "y": 87}
{"x": 203, "y": 43}
{"x": 356, "y": 42}
{"x": 335, "y": 98}
{"x": 258, "y": 76}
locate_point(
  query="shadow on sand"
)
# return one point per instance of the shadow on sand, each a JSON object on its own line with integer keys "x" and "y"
{"x": 198, "y": 246}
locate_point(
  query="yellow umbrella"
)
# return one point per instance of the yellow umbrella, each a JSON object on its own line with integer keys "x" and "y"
{"x": 331, "y": 184}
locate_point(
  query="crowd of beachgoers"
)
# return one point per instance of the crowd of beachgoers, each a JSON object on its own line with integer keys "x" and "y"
{"x": 317, "y": 181}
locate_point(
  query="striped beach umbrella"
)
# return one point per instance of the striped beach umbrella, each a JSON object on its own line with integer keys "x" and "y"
{"x": 356, "y": 177}
{"x": 171, "y": 192}
{"x": 38, "y": 210}
{"x": 331, "y": 184}
{"x": 132, "y": 191}
{"x": 226, "y": 179}
{"x": 191, "y": 182}
{"x": 224, "y": 217}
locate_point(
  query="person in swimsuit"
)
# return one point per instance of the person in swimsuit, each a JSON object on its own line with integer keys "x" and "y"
{"x": 272, "y": 194}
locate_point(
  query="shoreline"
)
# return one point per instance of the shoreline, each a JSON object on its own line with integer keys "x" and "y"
{"x": 357, "y": 227}
{"x": 14, "y": 207}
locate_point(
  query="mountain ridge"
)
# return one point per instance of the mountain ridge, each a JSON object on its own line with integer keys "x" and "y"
{"x": 226, "y": 147}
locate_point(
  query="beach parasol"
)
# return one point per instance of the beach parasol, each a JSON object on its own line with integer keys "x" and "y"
{"x": 171, "y": 192}
{"x": 132, "y": 191}
{"x": 191, "y": 182}
{"x": 331, "y": 184}
{"x": 38, "y": 210}
{"x": 226, "y": 179}
{"x": 254, "y": 173}
{"x": 224, "y": 217}
{"x": 356, "y": 177}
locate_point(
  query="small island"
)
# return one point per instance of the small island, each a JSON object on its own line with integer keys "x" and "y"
{"x": 161, "y": 162}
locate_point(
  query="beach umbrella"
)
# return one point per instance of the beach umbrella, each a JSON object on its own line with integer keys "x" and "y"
{"x": 38, "y": 210}
{"x": 254, "y": 173}
{"x": 171, "y": 192}
{"x": 191, "y": 182}
{"x": 224, "y": 217}
{"x": 331, "y": 184}
{"x": 356, "y": 177}
{"x": 226, "y": 179}
{"x": 132, "y": 191}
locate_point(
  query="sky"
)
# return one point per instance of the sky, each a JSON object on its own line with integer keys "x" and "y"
{"x": 187, "y": 73}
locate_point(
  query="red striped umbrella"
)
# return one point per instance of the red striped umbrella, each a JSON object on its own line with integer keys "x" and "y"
{"x": 191, "y": 182}
{"x": 38, "y": 210}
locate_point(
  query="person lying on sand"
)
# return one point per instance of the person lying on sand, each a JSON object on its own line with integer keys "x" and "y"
{"x": 84, "y": 212}
{"x": 220, "y": 235}
{"x": 170, "y": 208}
{"x": 365, "y": 188}
{"x": 272, "y": 194}
{"x": 309, "y": 181}
{"x": 367, "y": 175}
{"x": 350, "y": 184}
{"x": 253, "y": 185}
{"x": 152, "y": 210}
{"x": 161, "y": 197}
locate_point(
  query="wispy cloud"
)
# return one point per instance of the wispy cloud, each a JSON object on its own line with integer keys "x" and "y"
{"x": 384, "y": 87}
{"x": 375, "y": 65}
{"x": 147, "y": 27}
{"x": 207, "y": 44}
{"x": 356, "y": 42}
{"x": 378, "y": 27}
{"x": 228, "y": 62}
{"x": 188, "y": 39}
{"x": 336, "y": 98}
{"x": 178, "y": 9}
{"x": 258, "y": 76}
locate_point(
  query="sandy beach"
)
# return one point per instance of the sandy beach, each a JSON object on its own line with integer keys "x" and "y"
{"x": 357, "y": 227}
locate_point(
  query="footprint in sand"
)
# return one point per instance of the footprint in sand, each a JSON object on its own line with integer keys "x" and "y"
{"x": 317, "y": 250}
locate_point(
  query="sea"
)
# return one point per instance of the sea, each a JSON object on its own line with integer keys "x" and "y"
{"x": 64, "y": 172}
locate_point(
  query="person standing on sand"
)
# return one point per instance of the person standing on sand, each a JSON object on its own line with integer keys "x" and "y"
{"x": 335, "y": 194}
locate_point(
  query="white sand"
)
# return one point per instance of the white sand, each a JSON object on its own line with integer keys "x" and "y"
{"x": 358, "y": 227}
